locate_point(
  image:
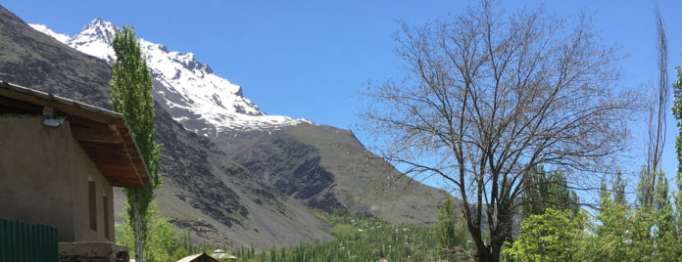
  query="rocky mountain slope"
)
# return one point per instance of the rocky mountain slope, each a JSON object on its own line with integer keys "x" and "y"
{"x": 231, "y": 174}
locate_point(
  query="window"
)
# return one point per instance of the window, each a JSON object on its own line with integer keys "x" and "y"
{"x": 92, "y": 197}
{"x": 105, "y": 205}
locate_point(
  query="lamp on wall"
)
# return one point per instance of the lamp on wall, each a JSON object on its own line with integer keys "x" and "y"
{"x": 49, "y": 118}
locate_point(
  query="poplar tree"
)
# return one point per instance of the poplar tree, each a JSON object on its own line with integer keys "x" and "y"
{"x": 645, "y": 188}
{"x": 547, "y": 190}
{"x": 619, "y": 190}
{"x": 661, "y": 193}
{"x": 451, "y": 235}
{"x": 131, "y": 87}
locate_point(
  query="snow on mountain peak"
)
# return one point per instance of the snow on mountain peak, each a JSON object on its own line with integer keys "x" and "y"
{"x": 100, "y": 29}
{"x": 95, "y": 39}
{"x": 196, "y": 97}
{"x": 46, "y": 30}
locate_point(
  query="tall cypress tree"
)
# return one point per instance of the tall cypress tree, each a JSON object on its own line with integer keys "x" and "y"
{"x": 661, "y": 193}
{"x": 619, "y": 190}
{"x": 644, "y": 188}
{"x": 131, "y": 87}
{"x": 451, "y": 234}
{"x": 545, "y": 190}
{"x": 604, "y": 194}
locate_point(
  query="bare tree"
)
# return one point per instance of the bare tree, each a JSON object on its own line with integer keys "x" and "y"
{"x": 657, "y": 114}
{"x": 490, "y": 96}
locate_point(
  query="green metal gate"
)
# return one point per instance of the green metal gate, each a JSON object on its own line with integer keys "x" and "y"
{"x": 21, "y": 242}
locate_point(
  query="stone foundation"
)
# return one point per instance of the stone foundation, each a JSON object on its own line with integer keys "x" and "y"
{"x": 100, "y": 251}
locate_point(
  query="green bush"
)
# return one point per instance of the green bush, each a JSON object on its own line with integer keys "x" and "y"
{"x": 552, "y": 236}
{"x": 163, "y": 241}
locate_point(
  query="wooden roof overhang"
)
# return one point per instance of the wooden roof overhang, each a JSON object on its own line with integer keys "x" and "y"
{"x": 103, "y": 134}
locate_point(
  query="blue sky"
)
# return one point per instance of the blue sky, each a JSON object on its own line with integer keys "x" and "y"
{"x": 312, "y": 59}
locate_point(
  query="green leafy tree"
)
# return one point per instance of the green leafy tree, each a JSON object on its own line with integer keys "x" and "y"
{"x": 364, "y": 239}
{"x": 667, "y": 245}
{"x": 547, "y": 190}
{"x": 678, "y": 219}
{"x": 165, "y": 244}
{"x": 659, "y": 191}
{"x": 619, "y": 190}
{"x": 604, "y": 194}
{"x": 131, "y": 87}
{"x": 677, "y": 112}
{"x": 556, "y": 235}
{"x": 645, "y": 233}
{"x": 652, "y": 238}
{"x": 450, "y": 232}
{"x": 612, "y": 233}
{"x": 661, "y": 200}
{"x": 643, "y": 188}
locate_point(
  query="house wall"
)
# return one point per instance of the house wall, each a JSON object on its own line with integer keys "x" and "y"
{"x": 83, "y": 174}
{"x": 44, "y": 176}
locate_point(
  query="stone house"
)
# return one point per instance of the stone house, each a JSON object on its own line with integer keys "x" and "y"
{"x": 59, "y": 160}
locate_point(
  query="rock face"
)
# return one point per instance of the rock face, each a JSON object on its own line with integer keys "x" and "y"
{"x": 231, "y": 174}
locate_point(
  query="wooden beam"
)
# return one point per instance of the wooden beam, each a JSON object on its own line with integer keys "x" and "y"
{"x": 102, "y": 161}
{"x": 137, "y": 159}
{"x": 85, "y": 122}
{"x": 129, "y": 176}
{"x": 126, "y": 183}
{"x": 94, "y": 135}
{"x": 127, "y": 150}
{"x": 103, "y": 152}
{"x": 117, "y": 170}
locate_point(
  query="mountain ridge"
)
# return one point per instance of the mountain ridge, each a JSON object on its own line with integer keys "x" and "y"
{"x": 260, "y": 187}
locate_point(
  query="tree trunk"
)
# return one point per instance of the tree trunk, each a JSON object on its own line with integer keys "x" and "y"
{"x": 482, "y": 251}
{"x": 496, "y": 252}
{"x": 138, "y": 228}
{"x": 485, "y": 255}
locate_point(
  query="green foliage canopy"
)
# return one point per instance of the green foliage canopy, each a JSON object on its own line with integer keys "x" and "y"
{"x": 452, "y": 236}
{"x": 164, "y": 242}
{"x": 555, "y": 235}
{"x": 545, "y": 190}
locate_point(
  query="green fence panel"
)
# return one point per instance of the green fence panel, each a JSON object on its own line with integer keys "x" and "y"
{"x": 21, "y": 242}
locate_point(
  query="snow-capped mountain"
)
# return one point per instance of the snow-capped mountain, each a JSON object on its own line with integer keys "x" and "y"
{"x": 196, "y": 97}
